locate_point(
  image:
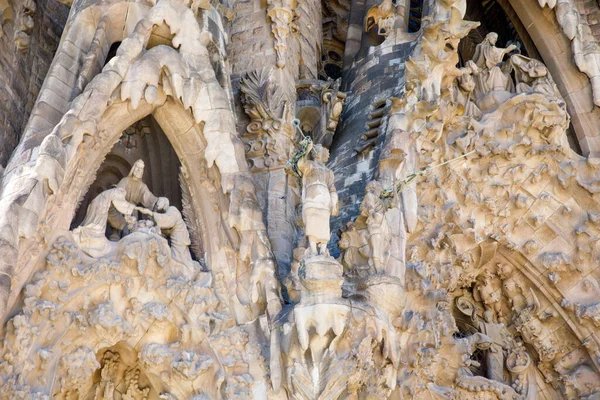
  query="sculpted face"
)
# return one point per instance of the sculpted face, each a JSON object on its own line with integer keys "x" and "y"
{"x": 162, "y": 204}
{"x": 138, "y": 169}
{"x": 492, "y": 38}
{"x": 322, "y": 154}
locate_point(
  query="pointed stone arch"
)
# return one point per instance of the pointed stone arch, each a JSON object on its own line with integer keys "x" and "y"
{"x": 134, "y": 84}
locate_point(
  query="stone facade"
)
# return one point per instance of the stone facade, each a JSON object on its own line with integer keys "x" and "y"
{"x": 327, "y": 199}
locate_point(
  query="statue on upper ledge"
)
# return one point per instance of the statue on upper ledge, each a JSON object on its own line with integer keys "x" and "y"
{"x": 384, "y": 15}
{"x": 136, "y": 192}
{"x": 90, "y": 236}
{"x": 492, "y": 76}
{"x": 319, "y": 198}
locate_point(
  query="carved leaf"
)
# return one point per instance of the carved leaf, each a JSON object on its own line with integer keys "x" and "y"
{"x": 193, "y": 223}
{"x": 261, "y": 98}
{"x": 331, "y": 381}
{"x": 332, "y": 378}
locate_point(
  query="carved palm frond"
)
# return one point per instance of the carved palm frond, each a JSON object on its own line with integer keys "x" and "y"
{"x": 193, "y": 224}
{"x": 329, "y": 385}
{"x": 261, "y": 98}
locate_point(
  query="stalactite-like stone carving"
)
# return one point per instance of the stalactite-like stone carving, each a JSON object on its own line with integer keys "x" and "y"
{"x": 281, "y": 13}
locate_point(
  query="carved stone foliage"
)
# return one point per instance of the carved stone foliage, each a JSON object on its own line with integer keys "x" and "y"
{"x": 153, "y": 320}
{"x": 269, "y": 136}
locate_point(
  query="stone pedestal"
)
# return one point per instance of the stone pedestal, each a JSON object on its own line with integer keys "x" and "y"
{"x": 321, "y": 278}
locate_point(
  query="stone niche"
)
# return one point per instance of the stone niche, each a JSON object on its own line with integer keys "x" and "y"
{"x": 145, "y": 141}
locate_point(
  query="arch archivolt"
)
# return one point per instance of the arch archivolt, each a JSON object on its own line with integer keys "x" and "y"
{"x": 505, "y": 283}
{"x": 137, "y": 82}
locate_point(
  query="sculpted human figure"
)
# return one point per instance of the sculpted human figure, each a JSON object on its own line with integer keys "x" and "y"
{"x": 319, "y": 198}
{"x": 246, "y": 217}
{"x": 489, "y": 58}
{"x": 351, "y": 242}
{"x": 532, "y": 76}
{"x": 169, "y": 220}
{"x": 137, "y": 193}
{"x": 494, "y": 356}
{"x": 90, "y": 235}
{"x": 465, "y": 85}
{"x": 488, "y": 294}
{"x": 373, "y": 209}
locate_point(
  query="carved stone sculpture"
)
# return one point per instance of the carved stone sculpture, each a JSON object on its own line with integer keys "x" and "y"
{"x": 487, "y": 290}
{"x": 319, "y": 198}
{"x": 136, "y": 192}
{"x": 532, "y": 76}
{"x": 374, "y": 210}
{"x": 90, "y": 236}
{"x": 169, "y": 220}
{"x": 25, "y": 24}
{"x": 383, "y": 16}
{"x": 281, "y": 13}
{"x": 491, "y": 77}
{"x": 466, "y": 268}
{"x": 494, "y": 356}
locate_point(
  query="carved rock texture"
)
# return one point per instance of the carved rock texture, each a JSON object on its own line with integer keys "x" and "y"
{"x": 468, "y": 271}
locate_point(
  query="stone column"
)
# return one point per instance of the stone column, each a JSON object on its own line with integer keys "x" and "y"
{"x": 264, "y": 59}
{"x": 270, "y": 139}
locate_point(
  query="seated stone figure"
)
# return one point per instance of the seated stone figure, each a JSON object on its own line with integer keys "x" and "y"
{"x": 90, "y": 236}
{"x": 136, "y": 192}
{"x": 169, "y": 220}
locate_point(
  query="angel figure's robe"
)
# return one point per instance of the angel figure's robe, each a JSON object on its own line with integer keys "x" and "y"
{"x": 90, "y": 236}
{"x": 136, "y": 193}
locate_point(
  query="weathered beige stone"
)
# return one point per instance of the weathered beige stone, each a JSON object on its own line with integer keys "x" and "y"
{"x": 468, "y": 268}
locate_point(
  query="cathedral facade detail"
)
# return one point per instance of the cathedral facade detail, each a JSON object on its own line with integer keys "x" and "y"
{"x": 299, "y": 199}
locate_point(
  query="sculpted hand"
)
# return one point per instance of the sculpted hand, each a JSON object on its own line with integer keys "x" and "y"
{"x": 144, "y": 210}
